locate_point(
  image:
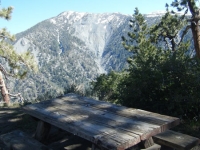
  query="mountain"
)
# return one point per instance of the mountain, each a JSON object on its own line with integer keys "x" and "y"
{"x": 72, "y": 49}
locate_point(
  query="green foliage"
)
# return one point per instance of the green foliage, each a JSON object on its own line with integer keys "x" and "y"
{"x": 168, "y": 30}
{"x": 184, "y": 5}
{"x": 106, "y": 86}
{"x": 159, "y": 79}
{"x": 19, "y": 63}
{"x": 6, "y": 13}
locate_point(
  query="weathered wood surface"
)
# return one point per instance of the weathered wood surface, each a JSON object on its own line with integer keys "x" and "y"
{"x": 148, "y": 143}
{"x": 107, "y": 125}
{"x": 176, "y": 140}
{"x": 18, "y": 140}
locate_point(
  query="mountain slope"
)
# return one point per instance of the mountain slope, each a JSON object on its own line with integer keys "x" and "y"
{"x": 73, "y": 49}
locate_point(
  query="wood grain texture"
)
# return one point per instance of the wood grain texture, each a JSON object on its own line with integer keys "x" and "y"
{"x": 107, "y": 125}
{"x": 148, "y": 143}
{"x": 176, "y": 140}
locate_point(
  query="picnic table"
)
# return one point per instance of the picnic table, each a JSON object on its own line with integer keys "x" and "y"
{"x": 106, "y": 125}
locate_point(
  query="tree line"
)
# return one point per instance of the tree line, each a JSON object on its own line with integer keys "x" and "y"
{"x": 163, "y": 75}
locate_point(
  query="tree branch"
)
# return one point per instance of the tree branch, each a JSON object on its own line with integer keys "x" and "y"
{"x": 3, "y": 70}
{"x": 191, "y": 7}
{"x": 17, "y": 95}
{"x": 184, "y": 33}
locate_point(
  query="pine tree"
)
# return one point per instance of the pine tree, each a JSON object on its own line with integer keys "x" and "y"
{"x": 160, "y": 76}
{"x": 18, "y": 64}
{"x": 186, "y": 6}
{"x": 168, "y": 30}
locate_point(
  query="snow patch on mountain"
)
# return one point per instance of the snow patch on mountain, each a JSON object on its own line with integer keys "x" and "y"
{"x": 53, "y": 21}
{"x": 93, "y": 29}
{"x": 156, "y": 13}
{"x": 162, "y": 13}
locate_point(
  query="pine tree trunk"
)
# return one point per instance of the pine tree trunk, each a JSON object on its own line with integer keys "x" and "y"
{"x": 195, "y": 25}
{"x": 4, "y": 90}
{"x": 196, "y": 37}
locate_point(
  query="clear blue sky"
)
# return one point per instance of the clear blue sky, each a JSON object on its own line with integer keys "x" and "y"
{"x": 27, "y": 13}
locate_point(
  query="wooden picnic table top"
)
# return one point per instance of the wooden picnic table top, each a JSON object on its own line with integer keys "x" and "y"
{"x": 105, "y": 124}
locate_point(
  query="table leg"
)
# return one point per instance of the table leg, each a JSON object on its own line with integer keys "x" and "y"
{"x": 93, "y": 147}
{"x": 147, "y": 143}
{"x": 42, "y": 131}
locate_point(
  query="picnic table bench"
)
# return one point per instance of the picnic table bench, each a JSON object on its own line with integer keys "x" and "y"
{"x": 176, "y": 140}
{"x": 18, "y": 140}
{"x": 106, "y": 125}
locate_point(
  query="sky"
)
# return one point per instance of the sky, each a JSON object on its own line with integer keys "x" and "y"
{"x": 28, "y": 13}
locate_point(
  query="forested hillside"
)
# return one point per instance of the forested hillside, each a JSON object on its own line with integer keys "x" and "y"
{"x": 72, "y": 49}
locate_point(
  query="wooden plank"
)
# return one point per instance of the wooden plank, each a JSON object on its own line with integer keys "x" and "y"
{"x": 176, "y": 140}
{"x": 166, "y": 122}
{"x": 119, "y": 110}
{"x": 87, "y": 130}
{"x": 145, "y": 130}
{"x": 107, "y": 140}
{"x": 83, "y": 118}
{"x": 148, "y": 142}
{"x": 19, "y": 140}
{"x": 148, "y": 121}
{"x": 142, "y": 115}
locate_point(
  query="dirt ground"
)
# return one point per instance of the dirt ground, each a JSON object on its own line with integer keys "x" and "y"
{"x": 13, "y": 118}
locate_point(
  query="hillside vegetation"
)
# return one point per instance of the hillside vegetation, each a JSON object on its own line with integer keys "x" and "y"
{"x": 163, "y": 73}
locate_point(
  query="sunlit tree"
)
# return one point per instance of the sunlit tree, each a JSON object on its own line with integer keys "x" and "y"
{"x": 189, "y": 7}
{"x": 16, "y": 64}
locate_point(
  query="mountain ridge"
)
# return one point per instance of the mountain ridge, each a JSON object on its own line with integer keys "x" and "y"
{"x": 73, "y": 48}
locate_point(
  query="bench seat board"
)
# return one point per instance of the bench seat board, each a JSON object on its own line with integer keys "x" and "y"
{"x": 19, "y": 140}
{"x": 176, "y": 140}
{"x": 107, "y": 125}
